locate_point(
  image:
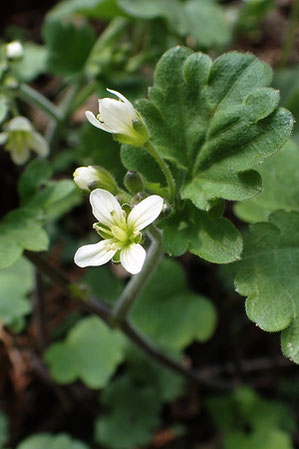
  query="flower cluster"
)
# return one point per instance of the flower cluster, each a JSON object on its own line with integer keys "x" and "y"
{"x": 120, "y": 231}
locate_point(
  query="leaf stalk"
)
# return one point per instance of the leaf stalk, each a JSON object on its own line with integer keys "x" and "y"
{"x": 164, "y": 168}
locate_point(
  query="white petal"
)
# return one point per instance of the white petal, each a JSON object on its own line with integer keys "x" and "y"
{"x": 105, "y": 207}
{"x": 20, "y": 157}
{"x": 132, "y": 258}
{"x": 123, "y": 98}
{"x": 94, "y": 255}
{"x": 145, "y": 212}
{"x": 95, "y": 122}
{"x": 39, "y": 144}
{"x": 19, "y": 124}
{"x": 83, "y": 176}
{"x": 14, "y": 50}
{"x": 117, "y": 116}
{"x": 3, "y": 138}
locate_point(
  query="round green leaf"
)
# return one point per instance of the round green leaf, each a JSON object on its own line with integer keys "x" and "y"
{"x": 270, "y": 260}
{"x": 91, "y": 353}
{"x": 171, "y": 314}
{"x": 48, "y": 441}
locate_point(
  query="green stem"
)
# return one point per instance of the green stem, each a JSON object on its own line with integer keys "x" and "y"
{"x": 32, "y": 96}
{"x": 66, "y": 109}
{"x": 165, "y": 169}
{"x": 291, "y": 35}
{"x": 137, "y": 283}
{"x": 102, "y": 50}
{"x": 96, "y": 306}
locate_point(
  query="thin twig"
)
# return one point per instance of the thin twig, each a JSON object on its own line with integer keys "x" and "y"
{"x": 99, "y": 308}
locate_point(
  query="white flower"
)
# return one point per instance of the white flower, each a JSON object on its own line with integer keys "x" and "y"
{"x": 119, "y": 117}
{"x": 14, "y": 50}
{"x": 121, "y": 232}
{"x": 20, "y": 137}
{"x": 91, "y": 177}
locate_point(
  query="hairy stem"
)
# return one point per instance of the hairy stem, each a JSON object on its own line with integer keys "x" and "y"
{"x": 137, "y": 283}
{"x": 32, "y": 96}
{"x": 164, "y": 168}
{"x": 99, "y": 308}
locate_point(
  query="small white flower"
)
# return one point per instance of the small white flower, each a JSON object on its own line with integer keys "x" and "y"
{"x": 14, "y": 50}
{"x": 91, "y": 177}
{"x": 119, "y": 117}
{"x": 121, "y": 232}
{"x": 20, "y": 137}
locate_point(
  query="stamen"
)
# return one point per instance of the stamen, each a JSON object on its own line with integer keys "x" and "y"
{"x": 100, "y": 118}
{"x": 110, "y": 247}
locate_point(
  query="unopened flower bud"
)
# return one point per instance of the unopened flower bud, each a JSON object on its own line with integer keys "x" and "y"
{"x": 133, "y": 182}
{"x": 14, "y": 50}
{"x": 93, "y": 177}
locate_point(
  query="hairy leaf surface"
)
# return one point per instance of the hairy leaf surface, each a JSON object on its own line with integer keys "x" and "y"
{"x": 268, "y": 276}
{"x": 216, "y": 120}
{"x": 280, "y": 175}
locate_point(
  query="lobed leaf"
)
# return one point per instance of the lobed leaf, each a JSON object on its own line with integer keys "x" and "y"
{"x": 61, "y": 39}
{"x": 169, "y": 313}
{"x": 35, "y": 174}
{"x": 32, "y": 64}
{"x": 211, "y": 237}
{"x": 21, "y": 229}
{"x": 13, "y": 294}
{"x": 46, "y": 440}
{"x": 216, "y": 121}
{"x": 249, "y": 421}
{"x": 280, "y": 186}
{"x": 129, "y": 406}
{"x": 206, "y": 22}
{"x": 270, "y": 260}
{"x": 144, "y": 371}
{"x": 91, "y": 353}
{"x": 99, "y": 9}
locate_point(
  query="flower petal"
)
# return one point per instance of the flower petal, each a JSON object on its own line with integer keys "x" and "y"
{"x": 124, "y": 99}
{"x": 106, "y": 208}
{"x": 95, "y": 122}
{"x": 145, "y": 212}
{"x": 132, "y": 258}
{"x": 39, "y": 144}
{"x": 20, "y": 157}
{"x": 19, "y": 123}
{"x": 117, "y": 115}
{"x": 3, "y": 138}
{"x": 94, "y": 255}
